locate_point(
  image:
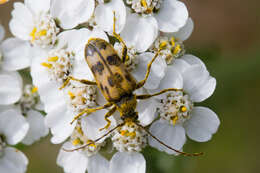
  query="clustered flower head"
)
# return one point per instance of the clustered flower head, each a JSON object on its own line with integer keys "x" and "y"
{"x": 50, "y": 39}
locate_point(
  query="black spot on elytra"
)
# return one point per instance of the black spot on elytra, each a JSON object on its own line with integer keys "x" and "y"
{"x": 99, "y": 67}
{"x": 111, "y": 81}
{"x": 107, "y": 91}
{"x": 89, "y": 50}
{"x": 103, "y": 45}
{"x": 128, "y": 77}
{"x": 114, "y": 60}
{"x": 101, "y": 87}
{"x": 118, "y": 78}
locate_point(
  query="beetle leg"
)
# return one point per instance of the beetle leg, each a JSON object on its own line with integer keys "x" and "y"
{"x": 108, "y": 114}
{"x": 142, "y": 82}
{"x": 147, "y": 96}
{"x": 87, "y": 82}
{"x": 88, "y": 111}
{"x": 119, "y": 38}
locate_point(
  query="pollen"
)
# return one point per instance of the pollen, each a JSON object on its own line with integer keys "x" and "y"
{"x": 177, "y": 49}
{"x": 53, "y": 59}
{"x": 44, "y": 64}
{"x": 34, "y": 89}
{"x": 72, "y": 96}
{"x": 91, "y": 143}
{"x": 129, "y": 138}
{"x": 176, "y": 107}
{"x": 76, "y": 142}
{"x": 163, "y": 45}
{"x": 32, "y": 34}
{"x": 173, "y": 41}
{"x": 45, "y": 31}
{"x": 183, "y": 108}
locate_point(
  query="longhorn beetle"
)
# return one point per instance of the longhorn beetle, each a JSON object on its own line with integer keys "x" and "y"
{"x": 116, "y": 84}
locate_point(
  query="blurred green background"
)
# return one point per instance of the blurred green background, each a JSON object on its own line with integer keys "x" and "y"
{"x": 227, "y": 38}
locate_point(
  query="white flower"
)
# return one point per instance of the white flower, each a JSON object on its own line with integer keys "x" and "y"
{"x": 177, "y": 112}
{"x": 79, "y": 162}
{"x": 103, "y": 15}
{"x": 171, "y": 15}
{"x": 13, "y": 59}
{"x": 171, "y": 44}
{"x": 40, "y": 26}
{"x": 13, "y": 128}
{"x": 62, "y": 105}
{"x": 11, "y": 88}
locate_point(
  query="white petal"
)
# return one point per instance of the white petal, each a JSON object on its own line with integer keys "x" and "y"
{"x": 202, "y": 125}
{"x": 59, "y": 121}
{"x": 146, "y": 110}
{"x": 98, "y": 164}
{"x": 157, "y": 70}
{"x": 172, "y": 16}
{"x": 11, "y": 87}
{"x": 72, "y": 162}
{"x": 71, "y": 13}
{"x": 127, "y": 163}
{"x": 21, "y": 24}
{"x": 13, "y": 125}
{"x": 38, "y": 6}
{"x": 37, "y": 127}
{"x": 2, "y": 32}
{"x": 139, "y": 32}
{"x": 16, "y": 54}
{"x": 172, "y": 79}
{"x": 174, "y": 136}
{"x": 198, "y": 83}
{"x": 185, "y": 32}
{"x": 13, "y": 161}
{"x": 104, "y": 15}
{"x": 58, "y": 116}
{"x": 193, "y": 60}
{"x": 95, "y": 121}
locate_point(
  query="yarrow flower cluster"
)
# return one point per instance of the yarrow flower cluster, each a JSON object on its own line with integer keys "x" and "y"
{"x": 51, "y": 42}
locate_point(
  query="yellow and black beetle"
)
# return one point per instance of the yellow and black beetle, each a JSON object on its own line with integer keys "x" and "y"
{"x": 116, "y": 84}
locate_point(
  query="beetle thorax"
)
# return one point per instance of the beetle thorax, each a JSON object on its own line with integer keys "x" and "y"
{"x": 127, "y": 105}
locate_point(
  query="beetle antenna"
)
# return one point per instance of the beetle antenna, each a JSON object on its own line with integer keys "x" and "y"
{"x": 93, "y": 142}
{"x": 169, "y": 147}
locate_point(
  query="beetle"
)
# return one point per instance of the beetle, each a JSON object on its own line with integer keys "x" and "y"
{"x": 116, "y": 84}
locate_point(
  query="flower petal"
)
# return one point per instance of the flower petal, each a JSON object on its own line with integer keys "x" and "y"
{"x": 38, "y": 6}
{"x": 139, "y": 32}
{"x": 58, "y": 115}
{"x": 146, "y": 110}
{"x": 193, "y": 60}
{"x": 13, "y": 161}
{"x": 157, "y": 70}
{"x": 185, "y": 32}
{"x": 198, "y": 83}
{"x": 13, "y": 125}
{"x": 172, "y": 16}
{"x": 123, "y": 162}
{"x": 16, "y": 54}
{"x": 37, "y": 127}
{"x": 72, "y": 162}
{"x": 95, "y": 121}
{"x": 174, "y": 136}
{"x": 21, "y": 24}
{"x": 71, "y": 13}
{"x": 202, "y": 124}
{"x": 11, "y": 91}
{"x": 104, "y": 15}
{"x": 97, "y": 164}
